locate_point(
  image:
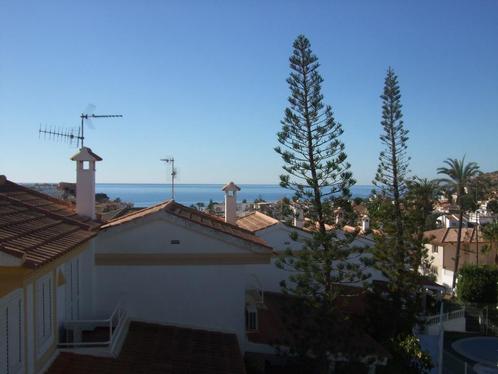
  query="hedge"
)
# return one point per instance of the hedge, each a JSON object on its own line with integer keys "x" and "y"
{"x": 478, "y": 284}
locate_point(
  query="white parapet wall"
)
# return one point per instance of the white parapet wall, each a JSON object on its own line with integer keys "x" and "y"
{"x": 453, "y": 321}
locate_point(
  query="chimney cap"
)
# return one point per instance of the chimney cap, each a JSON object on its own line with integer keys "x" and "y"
{"x": 230, "y": 187}
{"x": 86, "y": 154}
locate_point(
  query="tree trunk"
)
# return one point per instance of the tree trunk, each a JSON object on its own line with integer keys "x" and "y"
{"x": 459, "y": 243}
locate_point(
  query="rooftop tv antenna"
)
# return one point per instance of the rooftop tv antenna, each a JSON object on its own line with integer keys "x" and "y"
{"x": 75, "y": 135}
{"x": 171, "y": 161}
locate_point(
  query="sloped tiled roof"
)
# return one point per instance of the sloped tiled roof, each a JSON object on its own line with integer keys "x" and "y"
{"x": 36, "y": 227}
{"x": 151, "y": 348}
{"x": 191, "y": 215}
{"x": 256, "y": 221}
{"x": 450, "y": 235}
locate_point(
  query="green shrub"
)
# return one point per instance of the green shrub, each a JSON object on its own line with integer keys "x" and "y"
{"x": 477, "y": 284}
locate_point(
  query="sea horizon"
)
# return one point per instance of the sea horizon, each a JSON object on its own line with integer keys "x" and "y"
{"x": 147, "y": 194}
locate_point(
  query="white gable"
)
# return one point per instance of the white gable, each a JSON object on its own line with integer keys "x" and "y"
{"x": 164, "y": 233}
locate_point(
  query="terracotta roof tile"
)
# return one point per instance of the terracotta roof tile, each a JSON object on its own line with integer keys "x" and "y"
{"x": 151, "y": 348}
{"x": 256, "y": 221}
{"x": 191, "y": 215}
{"x": 450, "y": 235}
{"x": 37, "y": 227}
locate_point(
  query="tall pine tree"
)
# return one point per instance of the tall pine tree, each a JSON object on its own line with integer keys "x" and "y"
{"x": 397, "y": 251}
{"x": 318, "y": 172}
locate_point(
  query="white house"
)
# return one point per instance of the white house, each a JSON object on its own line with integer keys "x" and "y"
{"x": 441, "y": 247}
{"x": 451, "y": 220}
{"x": 278, "y": 235}
{"x": 46, "y": 264}
{"x": 175, "y": 265}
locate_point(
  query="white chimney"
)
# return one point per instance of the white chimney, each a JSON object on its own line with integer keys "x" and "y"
{"x": 298, "y": 216}
{"x": 85, "y": 181}
{"x": 231, "y": 202}
{"x": 365, "y": 223}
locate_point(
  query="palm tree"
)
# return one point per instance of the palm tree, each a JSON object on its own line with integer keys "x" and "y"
{"x": 420, "y": 197}
{"x": 490, "y": 233}
{"x": 419, "y": 203}
{"x": 459, "y": 176}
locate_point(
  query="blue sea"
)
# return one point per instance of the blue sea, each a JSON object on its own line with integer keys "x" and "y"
{"x": 144, "y": 195}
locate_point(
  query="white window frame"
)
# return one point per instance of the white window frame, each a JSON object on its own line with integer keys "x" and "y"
{"x": 251, "y": 318}
{"x": 44, "y": 314}
{"x": 12, "y": 333}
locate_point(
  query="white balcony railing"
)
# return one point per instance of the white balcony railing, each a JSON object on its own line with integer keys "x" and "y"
{"x": 95, "y": 333}
{"x": 432, "y": 320}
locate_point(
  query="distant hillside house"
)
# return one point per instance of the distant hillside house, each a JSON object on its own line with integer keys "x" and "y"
{"x": 278, "y": 235}
{"x": 441, "y": 247}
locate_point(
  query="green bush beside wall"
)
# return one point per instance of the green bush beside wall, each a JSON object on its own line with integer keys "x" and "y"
{"x": 477, "y": 284}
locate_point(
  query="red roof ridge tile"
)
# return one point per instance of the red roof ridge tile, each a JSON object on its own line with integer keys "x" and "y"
{"x": 137, "y": 214}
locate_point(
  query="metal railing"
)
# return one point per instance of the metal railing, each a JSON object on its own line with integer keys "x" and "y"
{"x": 432, "y": 320}
{"x": 257, "y": 286}
{"x": 114, "y": 325}
{"x": 486, "y": 316}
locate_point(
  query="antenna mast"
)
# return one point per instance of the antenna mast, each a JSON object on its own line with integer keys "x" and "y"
{"x": 84, "y": 117}
{"x": 173, "y": 174}
{"x": 72, "y": 135}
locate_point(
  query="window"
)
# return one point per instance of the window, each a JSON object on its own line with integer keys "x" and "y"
{"x": 251, "y": 318}
{"x": 11, "y": 333}
{"x": 434, "y": 249}
{"x": 44, "y": 314}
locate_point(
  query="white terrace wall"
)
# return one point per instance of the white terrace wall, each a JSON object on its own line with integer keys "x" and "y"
{"x": 457, "y": 324}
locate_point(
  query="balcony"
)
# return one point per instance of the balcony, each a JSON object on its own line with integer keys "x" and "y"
{"x": 97, "y": 337}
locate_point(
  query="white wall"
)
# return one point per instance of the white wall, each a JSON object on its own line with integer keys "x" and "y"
{"x": 446, "y": 278}
{"x": 153, "y": 234}
{"x": 12, "y": 333}
{"x": 29, "y": 328}
{"x": 278, "y": 237}
{"x": 209, "y": 297}
{"x": 457, "y": 324}
{"x": 203, "y": 296}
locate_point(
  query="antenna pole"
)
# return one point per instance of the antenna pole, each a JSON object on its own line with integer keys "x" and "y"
{"x": 82, "y": 128}
{"x": 173, "y": 174}
{"x": 172, "y": 178}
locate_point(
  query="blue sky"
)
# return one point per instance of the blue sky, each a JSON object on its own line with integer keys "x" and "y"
{"x": 205, "y": 81}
